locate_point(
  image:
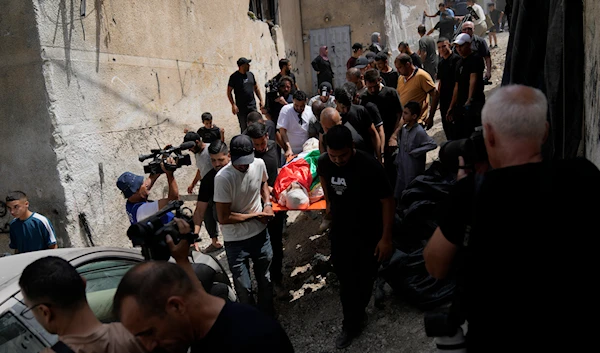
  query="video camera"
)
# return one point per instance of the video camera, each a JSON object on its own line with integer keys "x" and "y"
{"x": 160, "y": 156}
{"x": 473, "y": 13}
{"x": 150, "y": 233}
{"x": 272, "y": 87}
{"x": 472, "y": 149}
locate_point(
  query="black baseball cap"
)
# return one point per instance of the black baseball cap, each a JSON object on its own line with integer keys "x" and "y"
{"x": 241, "y": 150}
{"x": 325, "y": 88}
{"x": 361, "y": 62}
{"x": 192, "y": 136}
{"x": 370, "y": 56}
{"x": 241, "y": 61}
{"x": 357, "y": 46}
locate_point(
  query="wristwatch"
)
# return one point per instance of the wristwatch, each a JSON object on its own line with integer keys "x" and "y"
{"x": 268, "y": 204}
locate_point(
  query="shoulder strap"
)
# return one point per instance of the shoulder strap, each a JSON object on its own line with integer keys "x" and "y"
{"x": 61, "y": 347}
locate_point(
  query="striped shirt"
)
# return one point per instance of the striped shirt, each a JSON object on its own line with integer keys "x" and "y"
{"x": 34, "y": 233}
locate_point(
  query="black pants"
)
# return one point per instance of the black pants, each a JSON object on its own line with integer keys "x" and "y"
{"x": 466, "y": 120}
{"x": 275, "y": 229}
{"x": 242, "y": 119}
{"x": 448, "y": 126}
{"x": 356, "y": 268}
{"x": 388, "y": 163}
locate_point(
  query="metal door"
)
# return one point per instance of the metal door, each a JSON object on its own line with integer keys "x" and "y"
{"x": 337, "y": 39}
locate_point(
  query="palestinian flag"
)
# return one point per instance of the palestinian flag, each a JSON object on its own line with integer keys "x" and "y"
{"x": 303, "y": 169}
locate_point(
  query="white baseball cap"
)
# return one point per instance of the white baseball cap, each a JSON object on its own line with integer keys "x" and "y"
{"x": 462, "y": 39}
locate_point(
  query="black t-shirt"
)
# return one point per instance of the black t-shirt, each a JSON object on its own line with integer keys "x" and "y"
{"x": 528, "y": 260}
{"x": 271, "y": 130}
{"x": 207, "y": 187}
{"x": 495, "y": 16}
{"x": 274, "y": 108}
{"x": 243, "y": 88}
{"x": 465, "y": 67}
{"x": 388, "y": 103}
{"x": 390, "y": 78}
{"x": 416, "y": 59}
{"x": 373, "y": 113}
{"x": 355, "y": 191}
{"x": 291, "y": 75}
{"x": 242, "y": 328}
{"x": 447, "y": 74}
{"x": 271, "y": 159}
{"x": 359, "y": 142}
{"x": 210, "y": 135}
{"x": 360, "y": 118}
{"x": 446, "y": 28}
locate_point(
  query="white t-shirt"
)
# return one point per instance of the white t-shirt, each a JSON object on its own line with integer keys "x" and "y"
{"x": 330, "y": 101}
{"x": 289, "y": 120}
{"x": 203, "y": 161}
{"x": 242, "y": 190}
{"x": 479, "y": 10}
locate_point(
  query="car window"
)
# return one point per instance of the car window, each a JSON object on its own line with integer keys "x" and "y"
{"x": 102, "y": 279}
{"x": 16, "y": 338}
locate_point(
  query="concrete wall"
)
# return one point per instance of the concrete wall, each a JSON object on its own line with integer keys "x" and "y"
{"x": 95, "y": 91}
{"x": 364, "y": 17}
{"x": 28, "y": 135}
{"x": 592, "y": 79}
{"x": 402, "y": 19}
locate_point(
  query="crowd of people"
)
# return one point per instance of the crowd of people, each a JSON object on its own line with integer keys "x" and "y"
{"x": 372, "y": 142}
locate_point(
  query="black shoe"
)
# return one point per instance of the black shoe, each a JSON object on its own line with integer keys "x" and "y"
{"x": 344, "y": 340}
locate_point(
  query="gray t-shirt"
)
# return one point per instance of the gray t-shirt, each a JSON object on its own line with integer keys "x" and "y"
{"x": 203, "y": 161}
{"x": 242, "y": 191}
{"x": 427, "y": 44}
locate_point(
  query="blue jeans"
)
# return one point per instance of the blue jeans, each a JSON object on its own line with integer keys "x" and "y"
{"x": 258, "y": 248}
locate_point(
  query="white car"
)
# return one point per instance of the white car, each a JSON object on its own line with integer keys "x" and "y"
{"x": 102, "y": 268}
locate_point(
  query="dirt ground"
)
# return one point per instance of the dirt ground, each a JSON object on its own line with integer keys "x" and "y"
{"x": 313, "y": 317}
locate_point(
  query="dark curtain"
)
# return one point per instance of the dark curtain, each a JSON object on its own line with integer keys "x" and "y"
{"x": 545, "y": 50}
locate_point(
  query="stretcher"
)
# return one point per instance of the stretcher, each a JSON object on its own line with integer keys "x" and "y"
{"x": 316, "y": 206}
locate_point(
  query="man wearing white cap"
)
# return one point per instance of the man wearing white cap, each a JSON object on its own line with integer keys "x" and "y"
{"x": 468, "y": 98}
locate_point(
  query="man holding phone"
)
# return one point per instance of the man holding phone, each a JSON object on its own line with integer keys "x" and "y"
{"x": 244, "y": 209}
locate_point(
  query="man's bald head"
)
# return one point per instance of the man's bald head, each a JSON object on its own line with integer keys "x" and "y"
{"x": 151, "y": 284}
{"x": 330, "y": 118}
{"x": 468, "y": 24}
{"x": 317, "y": 108}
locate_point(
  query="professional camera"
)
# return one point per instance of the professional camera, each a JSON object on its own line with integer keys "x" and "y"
{"x": 272, "y": 87}
{"x": 151, "y": 232}
{"x": 472, "y": 149}
{"x": 160, "y": 156}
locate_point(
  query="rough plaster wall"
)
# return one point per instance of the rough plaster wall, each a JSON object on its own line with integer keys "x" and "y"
{"x": 364, "y": 17}
{"x": 130, "y": 76}
{"x": 592, "y": 87}
{"x": 289, "y": 38}
{"x": 402, "y": 19}
{"x": 27, "y": 158}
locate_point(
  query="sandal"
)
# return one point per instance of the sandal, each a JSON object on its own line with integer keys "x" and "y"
{"x": 211, "y": 248}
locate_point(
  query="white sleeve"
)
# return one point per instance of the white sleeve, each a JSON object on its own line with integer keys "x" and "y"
{"x": 222, "y": 190}
{"x": 146, "y": 210}
{"x": 282, "y": 122}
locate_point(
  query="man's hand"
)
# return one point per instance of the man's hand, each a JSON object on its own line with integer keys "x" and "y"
{"x": 234, "y": 109}
{"x": 288, "y": 154}
{"x": 462, "y": 172}
{"x": 261, "y": 105}
{"x": 487, "y": 75}
{"x": 393, "y": 141}
{"x": 384, "y": 249}
{"x": 180, "y": 251}
{"x": 265, "y": 217}
{"x": 190, "y": 188}
{"x": 429, "y": 122}
{"x": 449, "y": 116}
{"x": 169, "y": 161}
{"x": 280, "y": 100}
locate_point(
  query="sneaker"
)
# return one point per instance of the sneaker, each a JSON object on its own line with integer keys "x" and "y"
{"x": 344, "y": 340}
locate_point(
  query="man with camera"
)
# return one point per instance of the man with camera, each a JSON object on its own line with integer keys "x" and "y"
{"x": 243, "y": 204}
{"x": 136, "y": 190}
{"x": 522, "y": 277}
{"x": 167, "y": 309}
{"x": 279, "y": 94}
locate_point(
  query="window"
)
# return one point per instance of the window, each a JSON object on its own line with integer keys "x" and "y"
{"x": 16, "y": 338}
{"x": 102, "y": 279}
{"x": 265, "y": 10}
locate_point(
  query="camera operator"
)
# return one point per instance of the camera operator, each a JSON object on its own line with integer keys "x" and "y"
{"x": 285, "y": 67}
{"x": 166, "y": 307}
{"x": 520, "y": 278}
{"x": 279, "y": 99}
{"x": 136, "y": 191}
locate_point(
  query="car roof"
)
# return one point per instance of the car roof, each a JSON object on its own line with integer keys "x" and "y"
{"x": 12, "y": 266}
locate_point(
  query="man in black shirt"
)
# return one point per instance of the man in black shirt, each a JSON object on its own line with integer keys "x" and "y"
{"x": 358, "y": 116}
{"x": 279, "y": 99}
{"x": 285, "y": 67}
{"x": 388, "y": 74}
{"x": 210, "y": 132}
{"x": 446, "y": 82}
{"x": 518, "y": 232}
{"x": 267, "y": 151}
{"x": 361, "y": 205}
{"x": 404, "y": 48}
{"x": 388, "y": 103}
{"x": 244, "y": 86}
{"x": 479, "y": 45}
{"x": 165, "y": 306}
{"x": 468, "y": 97}
{"x": 445, "y": 25}
{"x": 330, "y": 118}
